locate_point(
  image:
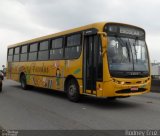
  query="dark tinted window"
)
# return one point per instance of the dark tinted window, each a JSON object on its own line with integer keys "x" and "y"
{"x": 44, "y": 45}
{"x": 74, "y": 40}
{"x": 33, "y": 52}
{"x": 56, "y": 54}
{"x": 10, "y": 55}
{"x": 33, "y": 47}
{"x": 16, "y": 50}
{"x": 10, "y": 58}
{"x": 73, "y": 48}
{"x": 24, "y": 57}
{"x": 16, "y": 58}
{"x": 24, "y": 49}
{"x": 56, "y": 51}
{"x": 32, "y": 56}
{"x": 10, "y": 52}
{"x": 72, "y": 52}
{"x": 57, "y": 43}
{"x": 43, "y": 55}
{"x": 24, "y": 54}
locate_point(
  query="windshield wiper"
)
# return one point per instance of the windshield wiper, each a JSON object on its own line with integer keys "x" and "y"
{"x": 131, "y": 53}
{"x": 134, "y": 44}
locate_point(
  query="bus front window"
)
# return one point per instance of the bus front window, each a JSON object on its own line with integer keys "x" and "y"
{"x": 119, "y": 56}
{"x": 127, "y": 55}
{"x": 140, "y": 56}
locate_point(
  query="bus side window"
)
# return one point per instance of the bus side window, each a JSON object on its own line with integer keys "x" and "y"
{"x": 24, "y": 54}
{"x": 56, "y": 51}
{"x": 73, "y": 46}
{"x": 33, "y": 52}
{"x": 16, "y": 54}
{"x": 43, "y": 53}
{"x": 10, "y": 55}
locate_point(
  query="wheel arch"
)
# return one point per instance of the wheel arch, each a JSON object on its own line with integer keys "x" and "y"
{"x": 68, "y": 78}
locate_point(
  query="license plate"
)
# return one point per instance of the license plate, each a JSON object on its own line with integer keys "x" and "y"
{"x": 134, "y": 89}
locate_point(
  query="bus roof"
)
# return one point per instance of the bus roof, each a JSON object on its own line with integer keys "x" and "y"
{"x": 99, "y": 26}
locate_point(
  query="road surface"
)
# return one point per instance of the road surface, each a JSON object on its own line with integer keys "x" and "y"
{"x": 38, "y": 109}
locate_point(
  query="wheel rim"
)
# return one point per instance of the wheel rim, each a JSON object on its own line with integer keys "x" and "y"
{"x": 72, "y": 90}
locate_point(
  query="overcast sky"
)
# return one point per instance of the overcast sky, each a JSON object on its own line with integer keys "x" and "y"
{"x": 25, "y": 19}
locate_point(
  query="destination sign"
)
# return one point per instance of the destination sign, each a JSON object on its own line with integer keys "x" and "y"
{"x": 116, "y": 29}
{"x": 124, "y": 30}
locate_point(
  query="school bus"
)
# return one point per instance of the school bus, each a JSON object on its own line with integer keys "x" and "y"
{"x": 105, "y": 59}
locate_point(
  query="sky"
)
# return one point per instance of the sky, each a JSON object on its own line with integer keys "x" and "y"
{"x": 22, "y": 20}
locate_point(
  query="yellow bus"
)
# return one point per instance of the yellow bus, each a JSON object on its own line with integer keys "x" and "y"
{"x": 104, "y": 59}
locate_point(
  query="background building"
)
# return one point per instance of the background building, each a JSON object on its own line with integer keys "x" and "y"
{"x": 155, "y": 70}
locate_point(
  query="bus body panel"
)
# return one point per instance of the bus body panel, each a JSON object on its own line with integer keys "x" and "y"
{"x": 46, "y": 74}
{"x": 52, "y": 74}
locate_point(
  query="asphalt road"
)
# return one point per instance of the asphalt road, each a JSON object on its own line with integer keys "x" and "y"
{"x": 39, "y": 109}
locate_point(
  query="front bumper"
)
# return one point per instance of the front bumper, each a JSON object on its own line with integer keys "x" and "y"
{"x": 118, "y": 87}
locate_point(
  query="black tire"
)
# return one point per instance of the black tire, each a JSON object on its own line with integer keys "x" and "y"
{"x": 23, "y": 82}
{"x": 73, "y": 90}
{"x": 0, "y": 89}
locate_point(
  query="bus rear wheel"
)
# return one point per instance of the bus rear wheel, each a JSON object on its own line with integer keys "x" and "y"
{"x": 73, "y": 90}
{"x": 23, "y": 82}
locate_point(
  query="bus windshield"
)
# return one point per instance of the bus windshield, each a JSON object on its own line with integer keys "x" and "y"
{"x": 127, "y": 55}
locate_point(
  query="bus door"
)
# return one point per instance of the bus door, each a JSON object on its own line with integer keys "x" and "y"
{"x": 92, "y": 63}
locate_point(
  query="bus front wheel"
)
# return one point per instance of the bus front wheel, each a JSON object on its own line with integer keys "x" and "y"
{"x": 23, "y": 82}
{"x": 73, "y": 90}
